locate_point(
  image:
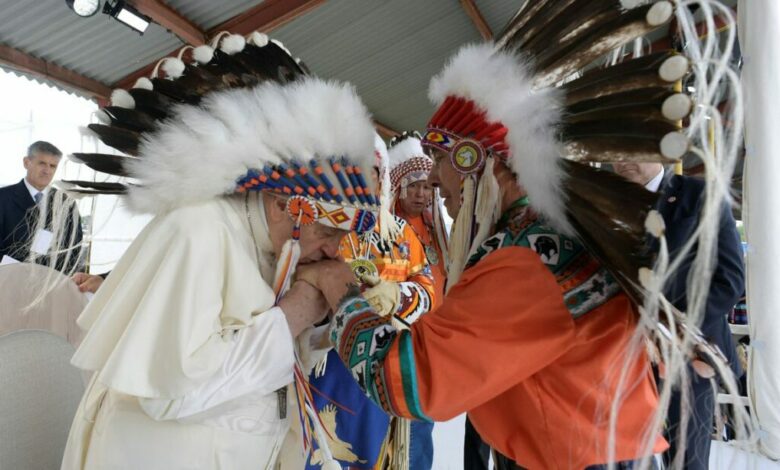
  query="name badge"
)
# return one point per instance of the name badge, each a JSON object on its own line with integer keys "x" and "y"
{"x": 42, "y": 242}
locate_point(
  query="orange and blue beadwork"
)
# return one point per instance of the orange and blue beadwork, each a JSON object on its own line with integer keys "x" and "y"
{"x": 348, "y": 204}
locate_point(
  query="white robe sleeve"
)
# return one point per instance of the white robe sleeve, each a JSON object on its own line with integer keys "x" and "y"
{"x": 313, "y": 345}
{"x": 171, "y": 313}
{"x": 260, "y": 361}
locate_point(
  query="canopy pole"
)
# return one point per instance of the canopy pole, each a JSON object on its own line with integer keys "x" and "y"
{"x": 759, "y": 37}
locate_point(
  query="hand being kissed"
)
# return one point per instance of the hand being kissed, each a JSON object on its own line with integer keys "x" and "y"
{"x": 332, "y": 277}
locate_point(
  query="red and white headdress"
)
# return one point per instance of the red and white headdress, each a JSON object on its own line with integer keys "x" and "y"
{"x": 542, "y": 101}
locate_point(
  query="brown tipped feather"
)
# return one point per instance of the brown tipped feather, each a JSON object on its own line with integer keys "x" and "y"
{"x": 96, "y": 192}
{"x": 529, "y": 9}
{"x": 632, "y": 74}
{"x": 610, "y": 149}
{"x": 114, "y": 188}
{"x": 560, "y": 59}
{"x": 650, "y": 112}
{"x": 626, "y": 85}
{"x": 230, "y": 70}
{"x": 641, "y": 104}
{"x": 105, "y": 163}
{"x": 130, "y": 119}
{"x": 577, "y": 17}
{"x": 121, "y": 139}
{"x": 272, "y": 62}
{"x": 195, "y": 82}
{"x": 610, "y": 234}
{"x": 638, "y": 128}
{"x": 152, "y": 103}
{"x": 609, "y": 213}
{"x": 175, "y": 90}
{"x": 539, "y": 19}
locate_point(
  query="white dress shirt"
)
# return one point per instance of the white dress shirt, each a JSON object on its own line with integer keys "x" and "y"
{"x": 33, "y": 190}
{"x": 655, "y": 182}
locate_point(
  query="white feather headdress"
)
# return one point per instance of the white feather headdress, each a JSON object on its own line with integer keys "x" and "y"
{"x": 202, "y": 151}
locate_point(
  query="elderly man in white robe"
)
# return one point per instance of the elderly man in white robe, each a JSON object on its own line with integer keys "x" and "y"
{"x": 192, "y": 339}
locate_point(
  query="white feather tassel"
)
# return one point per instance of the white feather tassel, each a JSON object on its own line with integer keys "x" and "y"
{"x": 401, "y": 443}
{"x": 460, "y": 241}
{"x": 329, "y": 463}
{"x": 389, "y": 229}
{"x": 257, "y": 39}
{"x": 203, "y": 54}
{"x": 232, "y": 44}
{"x": 285, "y": 267}
{"x": 440, "y": 228}
{"x": 122, "y": 99}
{"x": 488, "y": 207}
{"x": 173, "y": 68}
{"x": 144, "y": 84}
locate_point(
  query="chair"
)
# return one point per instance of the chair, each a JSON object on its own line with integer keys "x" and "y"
{"x": 39, "y": 394}
{"x": 23, "y": 307}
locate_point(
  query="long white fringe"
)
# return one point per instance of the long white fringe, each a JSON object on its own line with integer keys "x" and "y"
{"x": 717, "y": 148}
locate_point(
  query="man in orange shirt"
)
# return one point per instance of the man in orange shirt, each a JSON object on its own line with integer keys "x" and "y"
{"x": 534, "y": 334}
{"x": 415, "y": 201}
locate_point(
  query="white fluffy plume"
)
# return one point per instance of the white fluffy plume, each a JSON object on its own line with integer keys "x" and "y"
{"x": 144, "y": 83}
{"x": 173, "y": 68}
{"x": 257, "y": 39}
{"x": 122, "y": 98}
{"x": 201, "y": 152}
{"x": 500, "y": 83}
{"x": 203, "y": 54}
{"x": 232, "y": 43}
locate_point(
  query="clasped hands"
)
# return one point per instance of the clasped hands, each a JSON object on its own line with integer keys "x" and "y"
{"x": 319, "y": 288}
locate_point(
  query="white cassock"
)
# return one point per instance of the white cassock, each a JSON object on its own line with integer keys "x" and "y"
{"x": 191, "y": 357}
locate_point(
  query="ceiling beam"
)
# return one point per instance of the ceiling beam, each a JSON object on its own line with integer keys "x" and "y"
{"x": 171, "y": 20}
{"x": 385, "y": 131}
{"x": 23, "y": 62}
{"x": 267, "y": 16}
{"x": 476, "y": 17}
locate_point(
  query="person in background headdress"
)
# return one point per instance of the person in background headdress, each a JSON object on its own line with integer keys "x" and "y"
{"x": 417, "y": 202}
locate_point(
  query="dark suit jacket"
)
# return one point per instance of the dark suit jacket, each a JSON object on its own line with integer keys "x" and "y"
{"x": 17, "y": 221}
{"x": 680, "y": 204}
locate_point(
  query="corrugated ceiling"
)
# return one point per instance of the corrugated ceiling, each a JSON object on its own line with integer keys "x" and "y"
{"x": 388, "y": 49}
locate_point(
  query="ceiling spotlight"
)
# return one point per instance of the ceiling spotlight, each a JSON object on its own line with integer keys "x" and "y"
{"x": 84, "y": 7}
{"x": 128, "y": 15}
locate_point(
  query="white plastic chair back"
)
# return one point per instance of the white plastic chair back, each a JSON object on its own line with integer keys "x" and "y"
{"x": 39, "y": 394}
{"x": 21, "y": 307}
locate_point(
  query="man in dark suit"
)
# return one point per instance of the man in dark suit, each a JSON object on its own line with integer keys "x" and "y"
{"x": 680, "y": 203}
{"x": 21, "y": 206}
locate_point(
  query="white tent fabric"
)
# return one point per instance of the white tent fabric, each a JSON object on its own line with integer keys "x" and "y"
{"x": 724, "y": 456}
{"x": 759, "y": 37}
